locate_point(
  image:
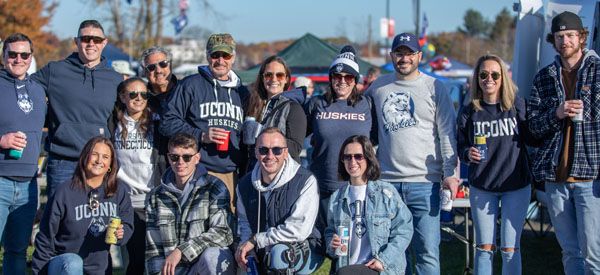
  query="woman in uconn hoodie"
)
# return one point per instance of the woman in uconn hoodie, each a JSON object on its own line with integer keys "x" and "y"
{"x": 76, "y": 219}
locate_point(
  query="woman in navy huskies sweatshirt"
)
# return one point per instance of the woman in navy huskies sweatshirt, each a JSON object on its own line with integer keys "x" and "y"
{"x": 502, "y": 177}
{"x": 76, "y": 219}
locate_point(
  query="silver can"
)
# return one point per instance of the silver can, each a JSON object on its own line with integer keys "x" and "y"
{"x": 578, "y": 117}
{"x": 446, "y": 199}
{"x": 344, "y": 233}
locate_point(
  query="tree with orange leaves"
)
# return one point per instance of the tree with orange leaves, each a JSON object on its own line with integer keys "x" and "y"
{"x": 30, "y": 18}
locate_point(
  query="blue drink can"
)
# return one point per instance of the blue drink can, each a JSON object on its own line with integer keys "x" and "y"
{"x": 252, "y": 267}
{"x": 481, "y": 145}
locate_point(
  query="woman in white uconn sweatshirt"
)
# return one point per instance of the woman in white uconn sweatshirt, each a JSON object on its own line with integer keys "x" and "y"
{"x": 135, "y": 135}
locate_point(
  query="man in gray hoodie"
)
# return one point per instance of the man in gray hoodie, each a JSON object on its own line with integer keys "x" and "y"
{"x": 417, "y": 144}
{"x": 277, "y": 207}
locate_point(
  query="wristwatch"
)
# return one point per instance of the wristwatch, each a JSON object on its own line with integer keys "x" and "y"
{"x": 252, "y": 240}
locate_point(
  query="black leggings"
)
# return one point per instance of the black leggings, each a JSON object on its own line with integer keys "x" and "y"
{"x": 136, "y": 247}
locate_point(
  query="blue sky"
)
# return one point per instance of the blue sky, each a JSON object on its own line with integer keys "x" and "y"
{"x": 269, "y": 20}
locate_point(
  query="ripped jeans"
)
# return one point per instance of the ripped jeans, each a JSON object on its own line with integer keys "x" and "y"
{"x": 485, "y": 208}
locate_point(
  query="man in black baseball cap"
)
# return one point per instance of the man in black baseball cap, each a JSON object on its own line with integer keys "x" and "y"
{"x": 563, "y": 114}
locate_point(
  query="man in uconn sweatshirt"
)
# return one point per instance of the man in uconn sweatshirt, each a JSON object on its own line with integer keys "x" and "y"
{"x": 81, "y": 91}
{"x": 208, "y": 105}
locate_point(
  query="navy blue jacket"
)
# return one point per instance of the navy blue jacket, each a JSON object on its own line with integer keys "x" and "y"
{"x": 70, "y": 226}
{"x": 80, "y": 100}
{"x": 199, "y": 102}
{"x": 22, "y": 108}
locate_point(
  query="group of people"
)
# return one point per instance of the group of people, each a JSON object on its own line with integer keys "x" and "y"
{"x": 204, "y": 173}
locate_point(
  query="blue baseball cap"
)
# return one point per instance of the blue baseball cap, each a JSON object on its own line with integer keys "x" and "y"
{"x": 408, "y": 40}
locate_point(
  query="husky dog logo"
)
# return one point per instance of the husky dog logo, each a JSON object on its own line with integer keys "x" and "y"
{"x": 398, "y": 111}
{"x": 24, "y": 102}
{"x": 339, "y": 68}
{"x": 97, "y": 226}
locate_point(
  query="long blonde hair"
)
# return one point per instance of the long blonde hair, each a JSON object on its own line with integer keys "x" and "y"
{"x": 508, "y": 89}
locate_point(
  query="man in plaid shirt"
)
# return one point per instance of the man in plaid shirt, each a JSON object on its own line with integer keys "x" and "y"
{"x": 189, "y": 222}
{"x": 564, "y": 113}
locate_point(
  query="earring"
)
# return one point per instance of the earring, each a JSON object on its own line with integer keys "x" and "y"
{"x": 109, "y": 169}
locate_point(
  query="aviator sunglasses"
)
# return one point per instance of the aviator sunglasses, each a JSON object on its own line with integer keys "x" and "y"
{"x": 88, "y": 38}
{"x": 163, "y": 64}
{"x": 263, "y": 151}
{"x": 348, "y": 78}
{"x": 134, "y": 94}
{"x": 483, "y": 75}
{"x": 217, "y": 55}
{"x": 270, "y": 75}
{"x": 13, "y": 55}
{"x": 175, "y": 157}
{"x": 349, "y": 157}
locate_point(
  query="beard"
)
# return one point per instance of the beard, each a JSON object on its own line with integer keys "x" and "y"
{"x": 569, "y": 52}
{"x": 403, "y": 70}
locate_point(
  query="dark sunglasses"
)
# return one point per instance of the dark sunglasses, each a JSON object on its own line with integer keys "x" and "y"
{"x": 348, "y": 78}
{"x": 483, "y": 75}
{"x": 163, "y": 64}
{"x": 217, "y": 55}
{"x": 88, "y": 38}
{"x": 357, "y": 157}
{"x": 134, "y": 94}
{"x": 13, "y": 55}
{"x": 263, "y": 151}
{"x": 94, "y": 199}
{"x": 270, "y": 75}
{"x": 175, "y": 157}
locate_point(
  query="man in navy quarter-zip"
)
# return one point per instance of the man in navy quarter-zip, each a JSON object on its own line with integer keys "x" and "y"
{"x": 23, "y": 108}
{"x": 208, "y": 105}
{"x": 81, "y": 91}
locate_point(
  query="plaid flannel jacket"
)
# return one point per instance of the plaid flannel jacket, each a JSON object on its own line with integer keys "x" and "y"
{"x": 546, "y": 95}
{"x": 205, "y": 220}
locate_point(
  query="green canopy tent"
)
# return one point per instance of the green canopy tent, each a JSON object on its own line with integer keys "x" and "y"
{"x": 307, "y": 55}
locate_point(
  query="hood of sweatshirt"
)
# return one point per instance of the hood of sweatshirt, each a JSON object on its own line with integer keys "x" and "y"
{"x": 287, "y": 172}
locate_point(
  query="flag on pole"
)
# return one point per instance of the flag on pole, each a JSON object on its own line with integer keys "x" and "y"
{"x": 180, "y": 22}
{"x": 423, "y": 36}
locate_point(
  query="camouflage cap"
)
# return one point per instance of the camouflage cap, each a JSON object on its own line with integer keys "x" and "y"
{"x": 220, "y": 42}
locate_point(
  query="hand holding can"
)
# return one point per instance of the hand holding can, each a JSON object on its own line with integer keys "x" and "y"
{"x": 20, "y": 139}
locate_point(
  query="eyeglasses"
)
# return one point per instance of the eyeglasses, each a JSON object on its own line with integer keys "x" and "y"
{"x": 224, "y": 55}
{"x": 403, "y": 54}
{"x": 13, "y": 55}
{"x": 269, "y": 75}
{"x": 175, "y": 157}
{"x": 88, "y": 38}
{"x": 483, "y": 75}
{"x": 263, "y": 151}
{"x": 94, "y": 199}
{"x": 357, "y": 157}
{"x": 134, "y": 94}
{"x": 163, "y": 64}
{"x": 348, "y": 77}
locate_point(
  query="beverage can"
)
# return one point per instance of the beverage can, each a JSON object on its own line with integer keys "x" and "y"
{"x": 113, "y": 225}
{"x": 446, "y": 199}
{"x": 481, "y": 145}
{"x": 579, "y": 116}
{"x": 16, "y": 153}
{"x": 344, "y": 233}
{"x": 251, "y": 266}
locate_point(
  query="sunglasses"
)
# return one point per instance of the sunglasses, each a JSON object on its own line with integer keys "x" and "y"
{"x": 270, "y": 75}
{"x": 88, "y": 38}
{"x": 94, "y": 200}
{"x": 224, "y": 55}
{"x": 348, "y": 77}
{"x": 163, "y": 64}
{"x": 134, "y": 94}
{"x": 175, "y": 157}
{"x": 263, "y": 151}
{"x": 483, "y": 75}
{"x": 357, "y": 157}
{"x": 13, "y": 55}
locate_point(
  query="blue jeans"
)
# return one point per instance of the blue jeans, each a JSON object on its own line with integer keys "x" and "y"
{"x": 575, "y": 213}
{"x": 65, "y": 264}
{"x": 485, "y": 207}
{"x": 18, "y": 203}
{"x": 423, "y": 201}
{"x": 58, "y": 171}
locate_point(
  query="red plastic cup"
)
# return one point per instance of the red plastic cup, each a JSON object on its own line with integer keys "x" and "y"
{"x": 225, "y": 146}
